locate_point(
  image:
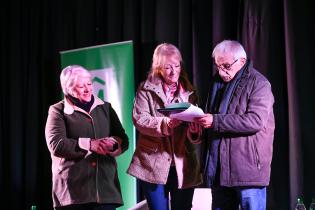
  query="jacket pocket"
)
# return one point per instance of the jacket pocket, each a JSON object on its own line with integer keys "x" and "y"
{"x": 256, "y": 154}
{"x": 70, "y": 169}
{"x": 146, "y": 155}
{"x": 149, "y": 147}
{"x": 63, "y": 165}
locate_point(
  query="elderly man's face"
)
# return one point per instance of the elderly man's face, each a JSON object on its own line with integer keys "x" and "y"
{"x": 227, "y": 66}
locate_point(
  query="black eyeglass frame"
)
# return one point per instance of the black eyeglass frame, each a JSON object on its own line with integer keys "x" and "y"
{"x": 226, "y": 66}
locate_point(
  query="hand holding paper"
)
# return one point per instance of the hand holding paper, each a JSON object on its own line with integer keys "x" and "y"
{"x": 172, "y": 123}
{"x": 205, "y": 121}
{"x": 182, "y": 111}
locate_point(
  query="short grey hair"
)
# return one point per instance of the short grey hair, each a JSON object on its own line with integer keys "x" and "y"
{"x": 69, "y": 76}
{"x": 231, "y": 47}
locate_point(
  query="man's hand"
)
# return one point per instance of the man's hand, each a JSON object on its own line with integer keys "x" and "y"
{"x": 205, "y": 121}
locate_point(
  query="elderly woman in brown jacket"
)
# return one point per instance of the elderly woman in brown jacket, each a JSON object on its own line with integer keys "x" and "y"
{"x": 84, "y": 135}
{"x": 166, "y": 158}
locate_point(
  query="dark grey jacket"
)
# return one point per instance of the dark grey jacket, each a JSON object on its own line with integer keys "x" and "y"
{"x": 79, "y": 177}
{"x": 246, "y": 132}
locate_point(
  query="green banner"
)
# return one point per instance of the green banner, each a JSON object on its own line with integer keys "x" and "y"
{"x": 112, "y": 69}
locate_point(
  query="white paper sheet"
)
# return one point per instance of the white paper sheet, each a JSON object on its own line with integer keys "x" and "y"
{"x": 189, "y": 114}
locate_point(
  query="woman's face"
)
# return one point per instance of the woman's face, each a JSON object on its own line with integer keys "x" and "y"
{"x": 170, "y": 71}
{"x": 83, "y": 89}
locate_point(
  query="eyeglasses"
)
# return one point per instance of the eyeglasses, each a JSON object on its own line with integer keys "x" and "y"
{"x": 225, "y": 66}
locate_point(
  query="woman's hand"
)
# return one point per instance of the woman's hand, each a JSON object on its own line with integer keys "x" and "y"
{"x": 102, "y": 146}
{"x": 116, "y": 148}
{"x": 172, "y": 123}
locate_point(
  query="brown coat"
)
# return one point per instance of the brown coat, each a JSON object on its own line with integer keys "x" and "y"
{"x": 157, "y": 143}
{"x": 79, "y": 177}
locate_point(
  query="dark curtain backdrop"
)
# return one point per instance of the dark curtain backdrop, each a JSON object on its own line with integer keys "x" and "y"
{"x": 277, "y": 34}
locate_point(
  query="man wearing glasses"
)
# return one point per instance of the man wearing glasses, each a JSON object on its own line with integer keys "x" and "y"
{"x": 239, "y": 130}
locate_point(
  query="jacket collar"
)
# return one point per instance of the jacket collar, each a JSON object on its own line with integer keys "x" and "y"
{"x": 248, "y": 68}
{"x": 69, "y": 107}
{"x": 246, "y": 72}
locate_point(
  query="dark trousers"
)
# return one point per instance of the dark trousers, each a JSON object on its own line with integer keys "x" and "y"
{"x": 88, "y": 206}
{"x": 157, "y": 194}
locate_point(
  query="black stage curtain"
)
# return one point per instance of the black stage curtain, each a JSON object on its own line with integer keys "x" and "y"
{"x": 278, "y": 36}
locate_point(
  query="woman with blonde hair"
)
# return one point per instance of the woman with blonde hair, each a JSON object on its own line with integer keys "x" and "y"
{"x": 166, "y": 159}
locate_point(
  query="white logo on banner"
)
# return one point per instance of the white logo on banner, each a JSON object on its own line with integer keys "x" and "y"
{"x": 105, "y": 87}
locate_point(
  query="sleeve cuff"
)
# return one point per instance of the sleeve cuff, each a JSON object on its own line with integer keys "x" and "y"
{"x": 165, "y": 130}
{"x": 84, "y": 143}
{"x": 215, "y": 123}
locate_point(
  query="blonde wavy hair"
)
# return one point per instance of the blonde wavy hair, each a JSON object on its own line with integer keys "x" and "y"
{"x": 160, "y": 56}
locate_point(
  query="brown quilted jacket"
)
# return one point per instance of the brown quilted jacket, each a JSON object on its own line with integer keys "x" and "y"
{"x": 158, "y": 144}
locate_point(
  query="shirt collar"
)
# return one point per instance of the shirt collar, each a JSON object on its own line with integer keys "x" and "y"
{"x": 69, "y": 107}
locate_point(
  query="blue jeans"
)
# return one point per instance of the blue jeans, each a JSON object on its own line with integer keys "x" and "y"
{"x": 229, "y": 198}
{"x": 157, "y": 194}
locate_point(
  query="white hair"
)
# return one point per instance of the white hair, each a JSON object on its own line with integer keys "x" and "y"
{"x": 231, "y": 47}
{"x": 69, "y": 77}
